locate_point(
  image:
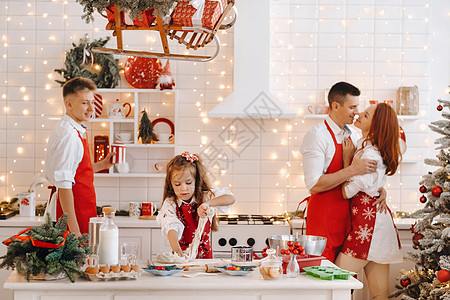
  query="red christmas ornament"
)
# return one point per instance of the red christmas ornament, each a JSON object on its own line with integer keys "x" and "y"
{"x": 423, "y": 199}
{"x": 443, "y": 275}
{"x": 423, "y": 189}
{"x": 439, "y": 107}
{"x": 142, "y": 72}
{"x": 436, "y": 191}
{"x": 415, "y": 239}
{"x": 405, "y": 282}
{"x": 166, "y": 81}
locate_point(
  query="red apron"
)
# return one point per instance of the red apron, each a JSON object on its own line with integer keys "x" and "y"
{"x": 83, "y": 191}
{"x": 363, "y": 219}
{"x": 328, "y": 212}
{"x": 187, "y": 213}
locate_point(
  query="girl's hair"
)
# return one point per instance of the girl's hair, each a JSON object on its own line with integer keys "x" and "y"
{"x": 198, "y": 171}
{"x": 384, "y": 133}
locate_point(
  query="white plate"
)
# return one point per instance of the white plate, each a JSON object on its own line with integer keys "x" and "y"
{"x": 125, "y": 142}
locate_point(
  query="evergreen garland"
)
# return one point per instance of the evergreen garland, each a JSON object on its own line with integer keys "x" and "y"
{"x": 31, "y": 260}
{"x": 146, "y": 132}
{"x": 108, "y": 77}
{"x": 134, "y": 7}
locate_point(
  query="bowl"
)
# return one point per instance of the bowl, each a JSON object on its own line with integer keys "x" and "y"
{"x": 163, "y": 270}
{"x": 243, "y": 270}
{"x": 314, "y": 245}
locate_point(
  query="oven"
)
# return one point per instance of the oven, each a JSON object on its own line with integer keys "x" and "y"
{"x": 246, "y": 230}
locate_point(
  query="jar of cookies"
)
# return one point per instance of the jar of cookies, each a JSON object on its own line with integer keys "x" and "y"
{"x": 271, "y": 266}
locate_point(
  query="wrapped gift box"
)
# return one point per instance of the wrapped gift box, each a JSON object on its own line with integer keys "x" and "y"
{"x": 147, "y": 17}
{"x": 184, "y": 12}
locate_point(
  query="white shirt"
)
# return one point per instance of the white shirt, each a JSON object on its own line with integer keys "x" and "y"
{"x": 64, "y": 153}
{"x": 318, "y": 149}
{"x": 167, "y": 216}
{"x": 368, "y": 183}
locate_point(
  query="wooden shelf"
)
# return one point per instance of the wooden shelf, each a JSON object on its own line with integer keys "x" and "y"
{"x": 150, "y": 145}
{"x": 107, "y": 120}
{"x": 156, "y": 91}
{"x": 400, "y": 117}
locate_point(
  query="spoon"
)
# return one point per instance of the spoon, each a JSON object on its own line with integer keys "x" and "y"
{"x": 195, "y": 274}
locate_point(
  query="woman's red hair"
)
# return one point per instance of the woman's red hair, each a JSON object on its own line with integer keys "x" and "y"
{"x": 384, "y": 133}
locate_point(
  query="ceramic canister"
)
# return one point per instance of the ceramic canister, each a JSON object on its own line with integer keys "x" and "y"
{"x": 120, "y": 150}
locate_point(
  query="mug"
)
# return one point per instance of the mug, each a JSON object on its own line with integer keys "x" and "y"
{"x": 318, "y": 109}
{"x": 135, "y": 209}
{"x": 148, "y": 208}
{"x": 120, "y": 150}
{"x": 160, "y": 166}
{"x": 241, "y": 253}
{"x": 123, "y": 136}
{"x": 165, "y": 138}
{"x": 27, "y": 203}
{"x": 123, "y": 167}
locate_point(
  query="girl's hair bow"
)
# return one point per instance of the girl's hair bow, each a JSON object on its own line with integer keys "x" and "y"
{"x": 190, "y": 157}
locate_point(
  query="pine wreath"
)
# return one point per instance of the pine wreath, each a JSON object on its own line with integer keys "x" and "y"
{"x": 33, "y": 260}
{"x": 134, "y": 7}
{"x": 107, "y": 77}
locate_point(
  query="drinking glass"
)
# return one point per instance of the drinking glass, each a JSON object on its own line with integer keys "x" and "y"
{"x": 128, "y": 253}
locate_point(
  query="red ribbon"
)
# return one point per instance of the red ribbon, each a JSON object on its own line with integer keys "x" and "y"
{"x": 34, "y": 242}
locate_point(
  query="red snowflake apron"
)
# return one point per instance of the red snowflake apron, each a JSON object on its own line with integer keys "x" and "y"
{"x": 187, "y": 214}
{"x": 363, "y": 218}
{"x": 83, "y": 191}
{"x": 328, "y": 213}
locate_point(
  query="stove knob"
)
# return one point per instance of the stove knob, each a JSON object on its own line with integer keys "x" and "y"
{"x": 251, "y": 242}
{"x": 232, "y": 242}
{"x": 222, "y": 242}
{"x": 267, "y": 242}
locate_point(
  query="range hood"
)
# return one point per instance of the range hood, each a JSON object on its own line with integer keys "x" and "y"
{"x": 251, "y": 97}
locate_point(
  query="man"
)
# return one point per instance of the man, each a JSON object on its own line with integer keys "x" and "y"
{"x": 328, "y": 213}
{"x": 68, "y": 161}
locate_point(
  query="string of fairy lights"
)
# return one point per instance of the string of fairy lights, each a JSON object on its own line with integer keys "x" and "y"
{"x": 298, "y": 92}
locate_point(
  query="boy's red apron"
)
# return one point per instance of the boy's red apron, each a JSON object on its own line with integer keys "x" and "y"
{"x": 328, "y": 212}
{"x": 187, "y": 214}
{"x": 83, "y": 191}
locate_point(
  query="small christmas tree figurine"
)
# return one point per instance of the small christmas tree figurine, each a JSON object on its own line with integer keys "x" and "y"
{"x": 146, "y": 133}
{"x": 47, "y": 249}
{"x": 430, "y": 277}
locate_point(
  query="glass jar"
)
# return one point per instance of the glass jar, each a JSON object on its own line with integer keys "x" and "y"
{"x": 271, "y": 266}
{"x": 108, "y": 248}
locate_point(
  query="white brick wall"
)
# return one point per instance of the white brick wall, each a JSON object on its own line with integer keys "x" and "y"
{"x": 377, "y": 45}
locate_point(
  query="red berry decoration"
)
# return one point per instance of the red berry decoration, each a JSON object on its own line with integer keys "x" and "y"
{"x": 405, "y": 282}
{"x": 436, "y": 191}
{"x": 290, "y": 244}
{"x": 439, "y": 107}
{"x": 142, "y": 72}
{"x": 423, "y": 199}
{"x": 295, "y": 252}
{"x": 282, "y": 251}
{"x": 287, "y": 252}
{"x": 423, "y": 189}
{"x": 415, "y": 239}
{"x": 443, "y": 275}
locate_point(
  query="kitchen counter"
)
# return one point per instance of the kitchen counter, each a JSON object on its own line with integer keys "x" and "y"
{"x": 121, "y": 221}
{"x": 221, "y": 286}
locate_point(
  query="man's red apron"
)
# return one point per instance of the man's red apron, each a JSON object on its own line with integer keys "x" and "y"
{"x": 328, "y": 212}
{"x": 83, "y": 191}
{"x": 187, "y": 214}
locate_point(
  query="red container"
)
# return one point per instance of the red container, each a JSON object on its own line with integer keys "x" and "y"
{"x": 303, "y": 261}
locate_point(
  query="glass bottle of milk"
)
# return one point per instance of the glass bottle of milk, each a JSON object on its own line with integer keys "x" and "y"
{"x": 108, "y": 248}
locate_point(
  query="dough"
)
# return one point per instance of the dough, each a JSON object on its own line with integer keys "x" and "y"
{"x": 169, "y": 257}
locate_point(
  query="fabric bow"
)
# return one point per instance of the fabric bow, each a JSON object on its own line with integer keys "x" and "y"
{"x": 189, "y": 157}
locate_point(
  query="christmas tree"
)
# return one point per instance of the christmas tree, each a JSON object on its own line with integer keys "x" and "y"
{"x": 146, "y": 133}
{"x": 430, "y": 277}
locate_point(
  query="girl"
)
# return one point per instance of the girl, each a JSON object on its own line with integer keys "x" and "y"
{"x": 187, "y": 197}
{"x": 373, "y": 243}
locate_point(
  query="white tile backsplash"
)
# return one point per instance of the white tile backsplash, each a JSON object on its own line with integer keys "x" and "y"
{"x": 377, "y": 45}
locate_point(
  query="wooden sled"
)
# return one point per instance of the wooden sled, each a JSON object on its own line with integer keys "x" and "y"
{"x": 192, "y": 37}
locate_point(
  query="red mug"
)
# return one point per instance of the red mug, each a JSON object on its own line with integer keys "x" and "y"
{"x": 120, "y": 150}
{"x": 148, "y": 208}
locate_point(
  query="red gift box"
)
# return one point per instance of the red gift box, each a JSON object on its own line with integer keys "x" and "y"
{"x": 183, "y": 13}
{"x": 303, "y": 261}
{"x": 147, "y": 17}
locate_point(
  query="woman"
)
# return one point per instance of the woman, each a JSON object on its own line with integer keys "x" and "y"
{"x": 373, "y": 243}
